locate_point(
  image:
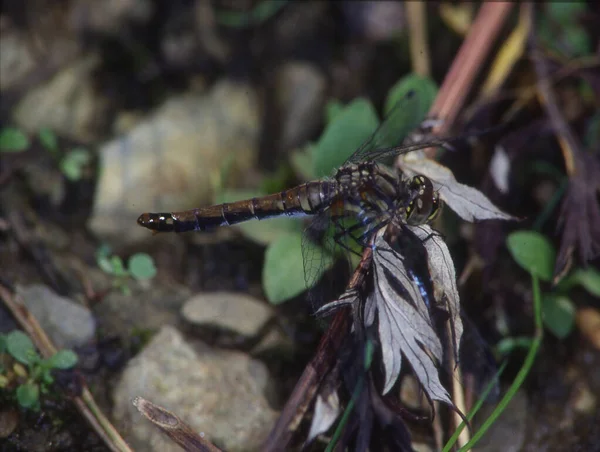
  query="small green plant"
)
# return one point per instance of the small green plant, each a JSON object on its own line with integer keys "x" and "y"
{"x": 34, "y": 379}
{"x": 71, "y": 163}
{"x": 532, "y": 251}
{"x": 139, "y": 267}
{"x": 346, "y": 129}
{"x": 13, "y": 140}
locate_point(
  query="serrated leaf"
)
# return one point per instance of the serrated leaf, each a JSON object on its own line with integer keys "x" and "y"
{"x": 468, "y": 202}
{"x": 424, "y": 86}
{"x": 20, "y": 347}
{"x": 63, "y": 359}
{"x": 141, "y": 266}
{"x": 283, "y": 271}
{"x": 262, "y": 232}
{"x": 350, "y": 128}
{"x": 13, "y": 140}
{"x": 443, "y": 277}
{"x": 28, "y": 395}
{"x": 404, "y": 323}
{"x": 534, "y": 252}
{"x": 559, "y": 315}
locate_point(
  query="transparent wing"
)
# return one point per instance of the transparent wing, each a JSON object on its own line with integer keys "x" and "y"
{"x": 405, "y": 116}
{"x": 331, "y": 249}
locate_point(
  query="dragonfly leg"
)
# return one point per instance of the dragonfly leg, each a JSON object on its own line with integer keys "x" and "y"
{"x": 343, "y": 231}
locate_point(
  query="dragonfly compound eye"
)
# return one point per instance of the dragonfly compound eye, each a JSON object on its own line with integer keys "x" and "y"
{"x": 424, "y": 205}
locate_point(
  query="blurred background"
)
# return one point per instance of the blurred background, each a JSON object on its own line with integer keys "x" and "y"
{"x": 110, "y": 109}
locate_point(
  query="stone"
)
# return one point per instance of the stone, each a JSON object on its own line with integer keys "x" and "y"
{"x": 234, "y": 312}
{"x": 67, "y": 323}
{"x": 168, "y": 161}
{"x": 220, "y": 394}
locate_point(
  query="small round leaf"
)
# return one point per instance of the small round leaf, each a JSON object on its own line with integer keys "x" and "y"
{"x": 141, "y": 266}
{"x": 63, "y": 359}
{"x": 533, "y": 252}
{"x": 20, "y": 347}
{"x": 559, "y": 315}
{"x": 28, "y": 395}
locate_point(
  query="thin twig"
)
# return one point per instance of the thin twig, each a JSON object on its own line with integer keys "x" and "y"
{"x": 314, "y": 373}
{"x": 567, "y": 140}
{"x": 174, "y": 427}
{"x": 468, "y": 62}
{"x": 85, "y": 403}
{"x": 419, "y": 45}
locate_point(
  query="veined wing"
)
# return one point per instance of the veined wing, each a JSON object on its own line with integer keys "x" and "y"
{"x": 404, "y": 117}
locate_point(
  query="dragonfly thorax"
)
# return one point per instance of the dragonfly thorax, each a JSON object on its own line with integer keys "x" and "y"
{"x": 371, "y": 190}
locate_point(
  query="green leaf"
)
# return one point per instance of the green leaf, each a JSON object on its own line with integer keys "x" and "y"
{"x": 21, "y": 348}
{"x": 104, "y": 264}
{"x": 141, "y": 266}
{"x": 63, "y": 359}
{"x": 508, "y": 344}
{"x": 13, "y": 140}
{"x": 260, "y": 13}
{"x": 333, "y": 108}
{"x": 48, "y": 140}
{"x": 28, "y": 395}
{"x": 588, "y": 278}
{"x": 302, "y": 162}
{"x": 559, "y": 314}
{"x": 560, "y": 29}
{"x": 565, "y": 13}
{"x": 262, "y": 232}
{"x": 283, "y": 271}
{"x": 74, "y": 162}
{"x": 118, "y": 269}
{"x": 350, "y": 128}
{"x": 47, "y": 379}
{"x": 533, "y": 252}
{"x": 423, "y": 86}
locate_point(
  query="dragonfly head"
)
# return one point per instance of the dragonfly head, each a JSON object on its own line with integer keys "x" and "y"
{"x": 424, "y": 204}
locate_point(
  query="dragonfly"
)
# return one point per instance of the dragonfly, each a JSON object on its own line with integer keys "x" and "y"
{"x": 382, "y": 204}
{"x": 362, "y": 188}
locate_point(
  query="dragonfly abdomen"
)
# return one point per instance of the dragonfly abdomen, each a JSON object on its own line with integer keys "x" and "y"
{"x": 305, "y": 199}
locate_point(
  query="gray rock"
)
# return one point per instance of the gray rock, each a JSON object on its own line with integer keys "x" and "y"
{"x": 229, "y": 311}
{"x": 68, "y": 103}
{"x": 218, "y": 393}
{"x": 67, "y": 323}
{"x": 169, "y": 161}
{"x": 147, "y": 309}
{"x": 301, "y": 91}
